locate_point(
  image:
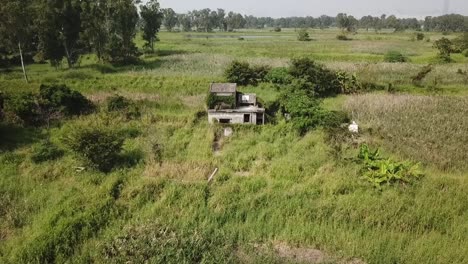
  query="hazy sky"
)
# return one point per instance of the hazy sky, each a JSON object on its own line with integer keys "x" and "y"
{"x": 283, "y": 8}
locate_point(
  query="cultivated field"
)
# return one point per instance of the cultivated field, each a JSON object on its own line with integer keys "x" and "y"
{"x": 279, "y": 197}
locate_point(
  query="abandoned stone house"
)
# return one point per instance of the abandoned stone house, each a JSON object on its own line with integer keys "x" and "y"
{"x": 233, "y": 107}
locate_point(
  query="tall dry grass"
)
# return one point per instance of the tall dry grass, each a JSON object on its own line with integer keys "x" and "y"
{"x": 431, "y": 129}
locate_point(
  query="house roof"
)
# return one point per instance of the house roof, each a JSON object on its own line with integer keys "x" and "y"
{"x": 243, "y": 109}
{"x": 223, "y": 87}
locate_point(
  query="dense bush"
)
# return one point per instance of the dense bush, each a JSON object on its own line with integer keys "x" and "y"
{"x": 277, "y": 29}
{"x": 64, "y": 100}
{"x": 342, "y": 37}
{"x": 24, "y": 106}
{"x": 322, "y": 82}
{"x": 243, "y": 74}
{"x": 445, "y": 47}
{"x": 395, "y": 56}
{"x": 220, "y": 102}
{"x": 45, "y": 151}
{"x": 303, "y": 35}
{"x": 126, "y": 106}
{"x": 420, "y": 36}
{"x": 100, "y": 147}
{"x": 279, "y": 76}
{"x": 460, "y": 43}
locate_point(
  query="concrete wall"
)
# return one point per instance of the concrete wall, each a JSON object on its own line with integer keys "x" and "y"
{"x": 236, "y": 118}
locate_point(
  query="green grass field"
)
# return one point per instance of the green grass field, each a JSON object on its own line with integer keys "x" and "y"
{"x": 278, "y": 197}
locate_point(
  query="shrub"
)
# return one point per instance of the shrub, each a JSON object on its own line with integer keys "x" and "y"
{"x": 321, "y": 81}
{"x": 121, "y": 104}
{"x": 242, "y": 74}
{"x": 277, "y": 29}
{"x": 395, "y": 56}
{"x": 46, "y": 151}
{"x": 460, "y": 43}
{"x": 342, "y": 37}
{"x": 100, "y": 147}
{"x": 465, "y": 53}
{"x": 445, "y": 48}
{"x": 333, "y": 119}
{"x": 380, "y": 171}
{"x": 220, "y": 102}
{"x": 279, "y": 76}
{"x": 64, "y": 100}
{"x": 420, "y": 36}
{"x": 303, "y": 35}
{"x": 24, "y": 107}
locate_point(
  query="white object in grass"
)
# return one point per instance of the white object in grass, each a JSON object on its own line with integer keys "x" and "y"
{"x": 353, "y": 128}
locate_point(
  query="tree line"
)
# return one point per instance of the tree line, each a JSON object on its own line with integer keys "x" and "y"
{"x": 206, "y": 20}
{"x": 63, "y": 30}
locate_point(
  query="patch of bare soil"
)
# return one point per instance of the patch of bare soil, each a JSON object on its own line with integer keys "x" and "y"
{"x": 286, "y": 253}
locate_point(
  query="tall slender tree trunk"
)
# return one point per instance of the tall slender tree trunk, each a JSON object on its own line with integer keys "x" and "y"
{"x": 22, "y": 63}
{"x": 67, "y": 52}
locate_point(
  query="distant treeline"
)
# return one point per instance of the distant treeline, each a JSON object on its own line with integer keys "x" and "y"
{"x": 63, "y": 30}
{"x": 207, "y": 20}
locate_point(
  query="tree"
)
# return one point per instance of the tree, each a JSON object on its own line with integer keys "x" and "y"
{"x": 60, "y": 27}
{"x": 346, "y": 22}
{"x": 444, "y": 46}
{"x": 94, "y": 21}
{"x": 152, "y": 18}
{"x": 185, "y": 21}
{"x": 122, "y": 18}
{"x": 303, "y": 35}
{"x": 17, "y": 27}
{"x": 170, "y": 18}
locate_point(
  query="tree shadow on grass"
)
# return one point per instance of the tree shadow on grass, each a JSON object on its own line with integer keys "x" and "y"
{"x": 13, "y": 137}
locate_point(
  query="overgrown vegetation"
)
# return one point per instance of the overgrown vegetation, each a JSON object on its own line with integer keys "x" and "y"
{"x": 395, "y": 56}
{"x": 99, "y": 146}
{"x": 278, "y": 193}
{"x": 380, "y": 171}
{"x": 303, "y": 35}
{"x": 118, "y": 103}
{"x": 244, "y": 74}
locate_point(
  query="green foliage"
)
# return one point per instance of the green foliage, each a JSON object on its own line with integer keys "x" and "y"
{"x": 99, "y": 146}
{"x": 123, "y": 18}
{"x": 277, "y": 29}
{"x": 465, "y": 53}
{"x": 68, "y": 227}
{"x": 380, "y": 171}
{"x": 220, "y": 102}
{"x": 155, "y": 243}
{"x": 243, "y": 74}
{"x": 152, "y": 19}
{"x": 123, "y": 105}
{"x": 322, "y": 81}
{"x": 279, "y": 75}
{"x": 343, "y": 37}
{"x": 46, "y": 151}
{"x": 444, "y": 45}
{"x": 395, "y": 56}
{"x": 303, "y": 35}
{"x": 25, "y": 107}
{"x": 62, "y": 99}
{"x": 420, "y": 36}
{"x": 460, "y": 43}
